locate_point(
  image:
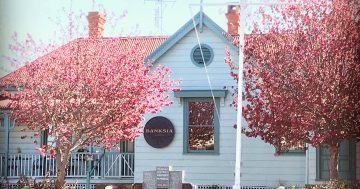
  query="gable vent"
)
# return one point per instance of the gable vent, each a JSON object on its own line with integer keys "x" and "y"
{"x": 196, "y": 57}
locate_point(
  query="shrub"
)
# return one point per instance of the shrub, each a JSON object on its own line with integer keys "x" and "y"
{"x": 340, "y": 184}
{"x": 214, "y": 187}
{"x": 26, "y": 183}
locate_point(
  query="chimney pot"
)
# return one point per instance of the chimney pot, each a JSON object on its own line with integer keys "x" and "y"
{"x": 233, "y": 16}
{"x": 96, "y": 22}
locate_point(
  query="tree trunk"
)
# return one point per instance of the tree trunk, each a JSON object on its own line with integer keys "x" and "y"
{"x": 334, "y": 158}
{"x": 60, "y": 179}
{"x": 62, "y": 163}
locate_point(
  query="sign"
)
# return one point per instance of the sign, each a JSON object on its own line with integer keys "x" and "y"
{"x": 149, "y": 180}
{"x": 159, "y": 132}
{"x": 162, "y": 177}
{"x": 176, "y": 179}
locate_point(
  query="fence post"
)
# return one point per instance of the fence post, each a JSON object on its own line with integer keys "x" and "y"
{"x": 103, "y": 164}
{"x": 89, "y": 167}
{"x": 92, "y": 166}
{"x": 6, "y": 138}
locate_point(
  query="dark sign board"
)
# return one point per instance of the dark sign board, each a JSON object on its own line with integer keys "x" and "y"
{"x": 159, "y": 132}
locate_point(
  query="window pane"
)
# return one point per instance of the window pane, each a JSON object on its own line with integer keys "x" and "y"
{"x": 201, "y": 113}
{"x": 201, "y": 138}
{"x": 127, "y": 147}
{"x": 2, "y": 125}
{"x": 345, "y": 162}
{"x": 201, "y": 126}
{"x": 289, "y": 146}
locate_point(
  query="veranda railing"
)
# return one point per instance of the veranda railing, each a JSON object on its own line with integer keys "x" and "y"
{"x": 113, "y": 165}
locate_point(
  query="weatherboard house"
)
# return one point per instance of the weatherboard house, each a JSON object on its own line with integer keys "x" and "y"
{"x": 204, "y": 149}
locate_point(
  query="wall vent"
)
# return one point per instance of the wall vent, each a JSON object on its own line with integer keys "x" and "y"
{"x": 197, "y": 58}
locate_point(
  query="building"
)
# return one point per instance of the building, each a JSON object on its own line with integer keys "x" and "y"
{"x": 207, "y": 156}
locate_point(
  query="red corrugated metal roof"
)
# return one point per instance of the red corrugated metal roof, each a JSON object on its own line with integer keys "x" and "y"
{"x": 108, "y": 46}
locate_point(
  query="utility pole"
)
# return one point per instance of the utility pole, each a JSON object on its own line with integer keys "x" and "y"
{"x": 243, "y": 5}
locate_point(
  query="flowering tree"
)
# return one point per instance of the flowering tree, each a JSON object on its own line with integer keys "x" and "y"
{"x": 90, "y": 91}
{"x": 301, "y": 78}
{"x": 85, "y": 94}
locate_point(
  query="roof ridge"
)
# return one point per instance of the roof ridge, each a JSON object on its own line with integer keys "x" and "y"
{"x": 129, "y": 37}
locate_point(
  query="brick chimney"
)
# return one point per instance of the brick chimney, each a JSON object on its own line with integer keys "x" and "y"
{"x": 96, "y": 24}
{"x": 233, "y": 16}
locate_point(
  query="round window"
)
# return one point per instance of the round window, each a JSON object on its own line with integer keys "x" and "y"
{"x": 206, "y": 57}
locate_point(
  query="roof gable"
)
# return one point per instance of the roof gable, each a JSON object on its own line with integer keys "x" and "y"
{"x": 199, "y": 18}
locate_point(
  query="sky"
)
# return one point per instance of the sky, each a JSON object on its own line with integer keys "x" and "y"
{"x": 36, "y": 17}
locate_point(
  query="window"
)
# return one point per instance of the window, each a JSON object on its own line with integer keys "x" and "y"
{"x": 2, "y": 123}
{"x": 287, "y": 148}
{"x": 201, "y": 129}
{"x": 46, "y": 138}
{"x": 127, "y": 147}
{"x": 6, "y": 122}
{"x": 347, "y": 162}
{"x": 12, "y": 123}
{"x": 197, "y": 58}
{"x": 299, "y": 149}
